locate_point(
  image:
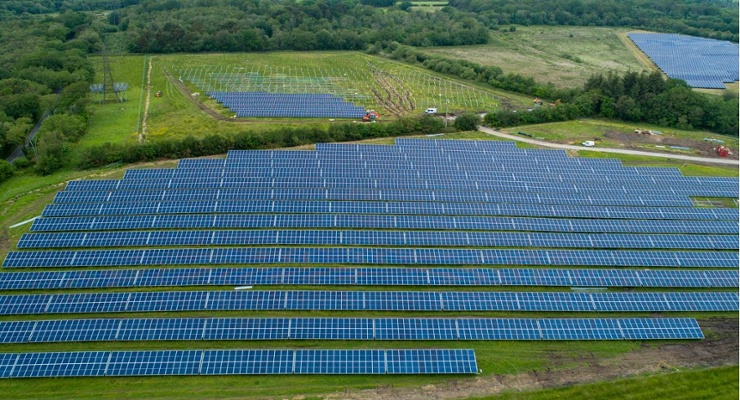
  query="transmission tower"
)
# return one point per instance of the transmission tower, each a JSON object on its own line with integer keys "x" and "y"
{"x": 108, "y": 85}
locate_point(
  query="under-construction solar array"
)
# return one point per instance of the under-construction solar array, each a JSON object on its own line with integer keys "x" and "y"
{"x": 702, "y": 63}
{"x": 420, "y": 214}
{"x": 262, "y": 104}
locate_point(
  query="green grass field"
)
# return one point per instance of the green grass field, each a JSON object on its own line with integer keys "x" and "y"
{"x": 391, "y": 88}
{"x": 565, "y": 56}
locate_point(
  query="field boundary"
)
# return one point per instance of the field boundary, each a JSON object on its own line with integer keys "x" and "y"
{"x": 639, "y": 54}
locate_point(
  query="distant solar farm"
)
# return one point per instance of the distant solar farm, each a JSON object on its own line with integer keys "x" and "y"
{"x": 256, "y": 90}
{"x": 702, "y": 63}
{"x": 427, "y": 227}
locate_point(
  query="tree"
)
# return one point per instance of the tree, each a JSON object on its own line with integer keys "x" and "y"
{"x": 6, "y": 171}
{"x": 467, "y": 122}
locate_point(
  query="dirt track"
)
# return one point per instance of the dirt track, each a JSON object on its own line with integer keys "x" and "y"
{"x": 720, "y": 348}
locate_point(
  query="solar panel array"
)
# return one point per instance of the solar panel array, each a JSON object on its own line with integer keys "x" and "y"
{"x": 236, "y": 362}
{"x": 155, "y": 329}
{"x": 341, "y": 216}
{"x": 702, "y": 63}
{"x": 262, "y": 104}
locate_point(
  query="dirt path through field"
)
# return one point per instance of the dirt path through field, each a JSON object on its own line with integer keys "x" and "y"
{"x": 148, "y": 89}
{"x": 720, "y": 348}
{"x": 639, "y": 54}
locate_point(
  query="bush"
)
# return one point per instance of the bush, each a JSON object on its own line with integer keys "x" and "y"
{"x": 6, "y": 171}
{"x": 21, "y": 163}
{"x": 467, "y": 122}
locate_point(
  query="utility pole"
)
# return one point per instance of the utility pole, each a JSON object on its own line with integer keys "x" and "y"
{"x": 447, "y": 105}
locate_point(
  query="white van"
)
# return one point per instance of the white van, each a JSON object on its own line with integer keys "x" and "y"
{"x": 431, "y": 111}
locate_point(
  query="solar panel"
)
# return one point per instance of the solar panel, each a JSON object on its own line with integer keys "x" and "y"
{"x": 428, "y": 361}
{"x": 498, "y": 329}
{"x": 340, "y": 362}
{"x": 415, "y": 329}
{"x": 42, "y": 365}
{"x": 247, "y": 362}
{"x": 143, "y": 363}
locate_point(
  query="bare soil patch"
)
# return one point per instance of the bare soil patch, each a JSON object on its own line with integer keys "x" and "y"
{"x": 632, "y": 140}
{"x": 720, "y": 348}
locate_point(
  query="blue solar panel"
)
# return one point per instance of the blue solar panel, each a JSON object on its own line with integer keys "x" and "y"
{"x": 498, "y": 329}
{"x": 415, "y": 329}
{"x": 39, "y": 365}
{"x": 247, "y": 362}
{"x": 332, "y": 328}
{"x": 7, "y": 361}
{"x": 161, "y": 329}
{"x": 340, "y": 362}
{"x": 246, "y": 329}
{"x": 15, "y": 332}
{"x": 75, "y": 330}
{"x": 142, "y": 363}
{"x": 431, "y": 362}
{"x": 580, "y": 329}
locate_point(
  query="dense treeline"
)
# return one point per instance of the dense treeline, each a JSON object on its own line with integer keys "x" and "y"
{"x": 11, "y": 8}
{"x": 713, "y": 19}
{"x": 638, "y": 97}
{"x": 224, "y": 25}
{"x": 248, "y": 140}
{"x": 44, "y": 69}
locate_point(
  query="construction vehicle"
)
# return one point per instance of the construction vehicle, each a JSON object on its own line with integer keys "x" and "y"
{"x": 370, "y": 116}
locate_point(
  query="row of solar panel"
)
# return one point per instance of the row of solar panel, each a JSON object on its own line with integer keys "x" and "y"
{"x": 374, "y": 238}
{"x": 246, "y": 276}
{"x": 618, "y": 198}
{"x": 147, "y": 329}
{"x": 370, "y": 255}
{"x": 318, "y": 112}
{"x": 54, "y": 224}
{"x": 114, "y": 302}
{"x": 244, "y": 168}
{"x": 449, "y": 160}
{"x": 457, "y": 159}
{"x": 455, "y": 182}
{"x": 434, "y": 174}
{"x": 236, "y": 362}
{"x": 405, "y": 170}
{"x": 388, "y": 208}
